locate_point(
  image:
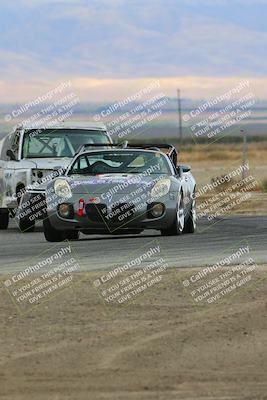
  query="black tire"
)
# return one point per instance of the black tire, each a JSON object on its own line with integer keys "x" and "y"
{"x": 177, "y": 226}
{"x": 51, "y": 234}
{"x": 4, "y": 219}
{"x": 26, "y": 226}
{"x": 190, "y": 224}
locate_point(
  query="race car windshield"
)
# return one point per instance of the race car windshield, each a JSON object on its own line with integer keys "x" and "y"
{"x": 51, "y": 143}
{"x": 122, "y": 162}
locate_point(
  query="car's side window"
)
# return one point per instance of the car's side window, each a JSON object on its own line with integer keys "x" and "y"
{"x": 80, "y": 164}
{"x": 83, "y": 163}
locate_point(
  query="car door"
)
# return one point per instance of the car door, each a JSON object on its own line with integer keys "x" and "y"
{"x": 7, "y": 173}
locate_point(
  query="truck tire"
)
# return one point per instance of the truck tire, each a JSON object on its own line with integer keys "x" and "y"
{"x": 190, "y": 225}
{"x": 4, "y": 219}
{"x": 26, "y": 226}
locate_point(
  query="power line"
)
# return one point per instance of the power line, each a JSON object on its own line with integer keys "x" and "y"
{"x": 179, "y": 114}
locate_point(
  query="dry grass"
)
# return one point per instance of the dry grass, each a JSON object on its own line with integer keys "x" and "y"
{"x": 217, "y": 160}
{"x": 211, "y": 161}
{"x": 257, "y": 152}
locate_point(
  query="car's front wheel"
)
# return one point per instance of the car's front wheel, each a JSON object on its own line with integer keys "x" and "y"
{"x": 54, "y": 235}
{"x": 51, "y": 234}
{"x": 4, "y": 219}
{"x": 178, "y": 224}
{"x": 190, "y": 225}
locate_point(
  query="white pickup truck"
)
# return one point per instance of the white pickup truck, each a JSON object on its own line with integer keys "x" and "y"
{"x": 29, "y": 154}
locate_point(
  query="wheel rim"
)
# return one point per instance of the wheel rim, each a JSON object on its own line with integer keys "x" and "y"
{"x": 180, "y": 216}
{"x": 194, "y": 213}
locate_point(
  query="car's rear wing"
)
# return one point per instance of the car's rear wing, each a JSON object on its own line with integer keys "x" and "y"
{"x": 83, "y": 147}
{"x": 171, "y": 150}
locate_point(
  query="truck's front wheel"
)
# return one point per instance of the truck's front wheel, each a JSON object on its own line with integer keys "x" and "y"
{"x": 25, "y": 225}
{"x": 4, "y": 219}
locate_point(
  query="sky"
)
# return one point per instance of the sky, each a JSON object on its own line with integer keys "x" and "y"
{"x": 107, "y": 48}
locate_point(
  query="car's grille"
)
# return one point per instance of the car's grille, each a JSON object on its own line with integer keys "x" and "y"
{"x": 96, "y": 212}
{"x": 119, "y": 214}
{"x": 122, "y": 212}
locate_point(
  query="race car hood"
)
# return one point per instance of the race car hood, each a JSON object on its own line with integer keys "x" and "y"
{"x": 107, "y": 186}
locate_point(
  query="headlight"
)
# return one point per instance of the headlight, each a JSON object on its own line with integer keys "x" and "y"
{"x": 161, "y": 188}
{"x": 66, "y": 210}
{"x": 62, "y": 188}
{"x": 155, "y": 210}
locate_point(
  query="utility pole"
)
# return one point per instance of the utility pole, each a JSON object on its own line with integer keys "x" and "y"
{"x": 245, "y": 153}
{"x": 179, "y": 114}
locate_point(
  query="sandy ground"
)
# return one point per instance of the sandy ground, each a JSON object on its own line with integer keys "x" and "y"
{"x": 161, "y": 346}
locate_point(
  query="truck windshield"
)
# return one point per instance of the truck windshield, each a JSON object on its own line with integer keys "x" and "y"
{"x": 51, "y": 143}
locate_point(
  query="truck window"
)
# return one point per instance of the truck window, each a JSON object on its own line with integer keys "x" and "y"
{"x": 59, "y": 142}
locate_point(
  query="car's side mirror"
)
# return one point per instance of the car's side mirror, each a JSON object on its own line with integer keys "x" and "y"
{"x": 186, "y": 168}
{"x": 11, "y": 155}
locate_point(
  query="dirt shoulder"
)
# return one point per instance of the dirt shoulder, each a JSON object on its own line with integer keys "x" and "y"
{"x": 161, "y": 346}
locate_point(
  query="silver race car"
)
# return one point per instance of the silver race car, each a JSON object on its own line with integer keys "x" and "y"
{"x": 120, "y": 191}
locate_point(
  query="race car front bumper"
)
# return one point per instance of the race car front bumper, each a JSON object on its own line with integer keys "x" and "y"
{"x": 118, "y": 216}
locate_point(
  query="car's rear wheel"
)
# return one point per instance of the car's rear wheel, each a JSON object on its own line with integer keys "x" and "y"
{"x": 4, "y": 219}
{"x": 190, "y": 224}
{"x": 178, "y": 224}
{"x": 51, "y": 234}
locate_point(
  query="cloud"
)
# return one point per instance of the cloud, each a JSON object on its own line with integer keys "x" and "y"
{"x": 105, "y": 90}
{"x": 19, "y": 67}
{"x": 222, "y": 49}
{"x": 224, "y": 2}
{"x": 45, "y": 41}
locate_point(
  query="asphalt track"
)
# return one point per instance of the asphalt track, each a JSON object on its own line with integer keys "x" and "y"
{"x": 212, "y": 242}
